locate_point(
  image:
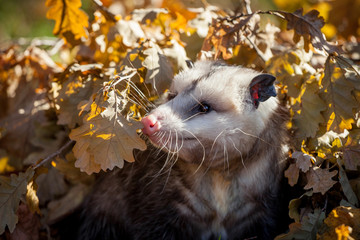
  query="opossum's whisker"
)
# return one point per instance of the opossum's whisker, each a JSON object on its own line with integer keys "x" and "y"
{"x": 251, "y": 135}
{"x": 212, "y": 146}
{"x": 168, "y": 155}
{"x": 134, "y": 99}
{"x": 187, "y": 119}
{"x": 242, "y": 159}
{"x": 226, "y": 158}
{"x": 139, "y": 104}
{"x": 141, "y": 94}
{"x": 203, "y": 148}
{"x": 195, "y": 99}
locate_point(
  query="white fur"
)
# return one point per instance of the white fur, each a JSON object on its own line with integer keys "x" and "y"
{"x": 224, "y": 133}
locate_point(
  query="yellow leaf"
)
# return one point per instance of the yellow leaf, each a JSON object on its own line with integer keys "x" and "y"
{"x": 337, "y": 91}
{"x": 308, "y": 120}
{"x": 342, "y": 223}
{"x": 68, "y": 17}
{"x": 106, "y": 138}
{"x": 4, "y": 167}
{"x": 343, "y": 232}
{"x": 31, "y": 198}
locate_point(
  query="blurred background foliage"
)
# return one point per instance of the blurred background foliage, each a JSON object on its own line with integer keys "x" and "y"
{"x": 26, "y": 18}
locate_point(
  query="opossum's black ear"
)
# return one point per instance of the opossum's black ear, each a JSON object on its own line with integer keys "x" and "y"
{"x": 189, "y": 64}
{"x": 261, "y": 88}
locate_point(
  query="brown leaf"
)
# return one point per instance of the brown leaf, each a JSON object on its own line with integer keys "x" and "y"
{"x": 71, "y": 173}
{"x": 307, "y": 229}
{"x": 68, "y": 203}
{"x": 338, "y": 93}
{"x": 78, "y": 83}
{"x": 352, "y": 157}
{"x": 106, "y": 138}
{"x": 320, "y": 180}
{"x": 28, "y": 226}
{"x": 159, "y": 71}
{"x": 303, "y": 160}
{"x": 309, "y": 26}
{"x": 11, "y": 190}
{"x": 292, "y": 173}
{"x": 50, "y": 185}
{"x": 342, "y": 221}
{"x": 308, "y": 120}
{"x": 225, "y": 34}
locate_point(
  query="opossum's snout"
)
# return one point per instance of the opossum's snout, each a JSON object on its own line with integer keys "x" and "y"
{"x": 151, "y": 125}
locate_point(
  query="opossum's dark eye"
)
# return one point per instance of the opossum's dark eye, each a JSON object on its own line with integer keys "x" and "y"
{"x": 204, "y": 108}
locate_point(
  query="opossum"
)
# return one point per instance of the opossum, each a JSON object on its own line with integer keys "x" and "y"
{"x": 212, "y": 170}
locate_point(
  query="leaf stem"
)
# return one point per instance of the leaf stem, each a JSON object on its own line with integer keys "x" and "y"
{"x": 51, "y": 156}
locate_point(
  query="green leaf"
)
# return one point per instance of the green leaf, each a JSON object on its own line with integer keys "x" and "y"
{"x": 11, "y": 190}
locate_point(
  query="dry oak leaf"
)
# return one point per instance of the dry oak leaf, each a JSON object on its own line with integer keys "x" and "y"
{"x": 309, "y": 26}
{"x": 159, "y": 71}
{"x": 68, "y": 17}
{"x": 307, "y": 229}
{"x": 303, "y": 160}
{"x": 352, "y": 157}
{"x": 342, "y": 223}
{"x": 292, "y": 174}
{"x": 338, "y": 92}
{"x": 224, "y": 35}
{"x": 11, "y": 190}
{"x": 28, "y": 226}
{"x": 307, "y": 122}
{"x": 346, "y": 187}
{"x": 106, "y": 138}
{"x": 320, "y": 179}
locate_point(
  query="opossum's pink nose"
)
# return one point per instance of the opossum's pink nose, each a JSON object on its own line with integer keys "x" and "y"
{"x": 151, "y": 125}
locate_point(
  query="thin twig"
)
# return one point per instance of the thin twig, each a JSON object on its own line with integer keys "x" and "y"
{"x": 258, "y": 51}
{"x": 105, "y": 11}
{"x": 51, "y": 156}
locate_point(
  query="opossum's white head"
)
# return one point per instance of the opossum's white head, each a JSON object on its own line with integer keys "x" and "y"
{"x": 214, "y": 112}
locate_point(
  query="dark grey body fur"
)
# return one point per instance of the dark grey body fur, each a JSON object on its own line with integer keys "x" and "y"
{"x": 137, "y": 203}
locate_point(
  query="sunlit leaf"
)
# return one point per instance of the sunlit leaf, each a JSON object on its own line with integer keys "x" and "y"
{"x": 106, "y": 138}
{"x": 303, "y": 160}
{"x": 337, "y": 91}
{"x": 309, "y": 26}
{"x": 69, "y": 18}
{"x": 159, "y": 71}
{"x": 308, "y": 120}
{"x": 342, "y": 222}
